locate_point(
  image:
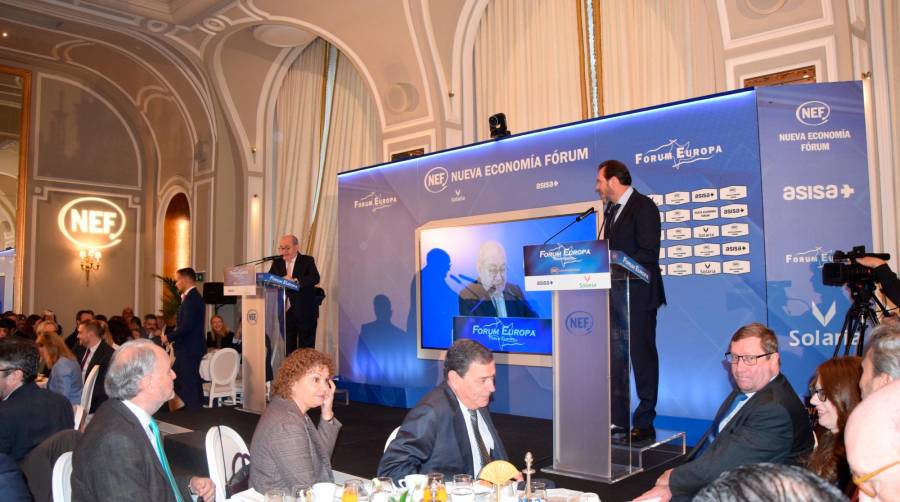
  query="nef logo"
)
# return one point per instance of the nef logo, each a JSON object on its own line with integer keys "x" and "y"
{"x": 813, "y": 113}
{"x": 92, "y": 222}
{"x": 579, "y": 323}
{"x": 436, "y": 179}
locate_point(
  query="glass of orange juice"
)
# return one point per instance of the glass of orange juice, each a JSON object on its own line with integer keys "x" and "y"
{"x": 351, "y": 491}
{"x": 435, "y": 490}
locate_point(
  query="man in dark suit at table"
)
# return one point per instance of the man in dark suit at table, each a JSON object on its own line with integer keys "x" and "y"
{"x": 303, "y": 306}
{"x": 450, "y": 429}
{"x": 121, "y": 455}
{"x": 761, "y": 420}
{"x": 189, "y": 337}
{"x": 93, "y": 352}
{"x": 28, "y": 414}
{"x": 492, "y": 295}
{"x": 631, "y": 224}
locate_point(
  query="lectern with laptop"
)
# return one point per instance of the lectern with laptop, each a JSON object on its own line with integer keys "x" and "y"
{"x": 591, "y": 364}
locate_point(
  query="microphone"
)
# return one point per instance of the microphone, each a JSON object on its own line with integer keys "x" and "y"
{"x": 584, "y": 214}
{"x": 270, "y": 258}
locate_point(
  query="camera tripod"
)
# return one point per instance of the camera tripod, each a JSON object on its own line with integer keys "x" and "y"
{"x": 859, "y": 317}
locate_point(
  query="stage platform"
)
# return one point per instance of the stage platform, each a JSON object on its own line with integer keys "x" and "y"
{"x": 361, "y": 442}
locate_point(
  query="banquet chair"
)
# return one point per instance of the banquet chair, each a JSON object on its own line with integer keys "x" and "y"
{"x": 79, "y": 413}
{"x": 223, "y": 370}
{"x": 391, "y": 437}
{"x": 62, "y": 472}
{"x": 87, "y": 392}
{"x": 222, "y": 444}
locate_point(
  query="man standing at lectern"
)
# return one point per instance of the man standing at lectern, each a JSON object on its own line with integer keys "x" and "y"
{"x": 302, "y": 306}
{"x": 631, "y": 224}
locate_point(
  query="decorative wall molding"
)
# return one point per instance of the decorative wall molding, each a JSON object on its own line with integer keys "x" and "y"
{"x": 730, "y": 42}
{"x": 827, "y": 74}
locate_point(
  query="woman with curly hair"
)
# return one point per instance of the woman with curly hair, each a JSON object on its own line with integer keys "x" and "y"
{"x": 834, "y": 392}
{"x": 287, "y": 448}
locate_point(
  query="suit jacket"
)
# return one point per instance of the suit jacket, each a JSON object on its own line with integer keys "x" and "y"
{"x": 29, "y": 416}
{"x": 38, "y": 465}
{"x": 304, "y": 309}
{"x": 189, "y": 333}
{"x": 890, "y": 285}
{"x": 100, "y": 358}
{"x": 474, "y": 300}
{"x": 65, "y": 379}
{"x": 636, "y": 233}
{"x": 434, "y": 438}
{"x": 114, "y": 461}
{"x": 287, "y": 450}
{"x": 773, "y": 426}
{"x": 12, "y": 484}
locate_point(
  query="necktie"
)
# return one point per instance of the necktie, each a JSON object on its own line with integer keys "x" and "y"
{"x": 738, "y": 399}
{"x": 608, "y": 216}
{"x": 162, "y": 459}
{"x": 482, "y": 449}
{"x": 84, "y": 359}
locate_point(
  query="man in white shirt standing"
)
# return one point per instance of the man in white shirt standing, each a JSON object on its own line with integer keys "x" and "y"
{"x": 450, "y": 430}
{"x": 121, "y": 454}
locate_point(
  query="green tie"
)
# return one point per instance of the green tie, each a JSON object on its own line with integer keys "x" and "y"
{"x": 162, "y": 459}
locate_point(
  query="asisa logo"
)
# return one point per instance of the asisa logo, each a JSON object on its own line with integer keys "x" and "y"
{"x": 436, "y": 179}
{"x": 677, "y": 154}
{"x": 813, "y": 113}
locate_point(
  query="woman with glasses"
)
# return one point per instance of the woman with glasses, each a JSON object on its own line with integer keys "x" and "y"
{"x": 834, "y": 392}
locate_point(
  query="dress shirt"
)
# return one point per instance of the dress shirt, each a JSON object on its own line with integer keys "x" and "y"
{"x": 477, "y": 462}
{"x": 183, "y": 295}
{"x": 499, "y": 303}
{"x": 87, "y": 362}
{"x": 622, "y": 201}
{"x": 144, "y": 419}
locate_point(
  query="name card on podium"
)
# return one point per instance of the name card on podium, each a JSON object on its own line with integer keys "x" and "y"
{"x": 567, "y": 266}
{"x": 240, "y": 280}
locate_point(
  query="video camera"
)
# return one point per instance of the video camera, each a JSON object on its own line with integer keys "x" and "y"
{"x": 843, "y": 268}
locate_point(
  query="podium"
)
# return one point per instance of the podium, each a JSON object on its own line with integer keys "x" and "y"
{"x": 262, "y": 316}
{"x": 591, "y": 365}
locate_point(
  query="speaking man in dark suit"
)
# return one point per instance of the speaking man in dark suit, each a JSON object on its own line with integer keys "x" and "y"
{"x": 28, "y": 414}
{"x": 93, "y": 352}
{"x": 450, "y": 429}
{"x": 761, "y": 420}
{"x": 189, "y": 337}
{"x": 492, "y": 296}
{"x": 631, "y": 224}
{"x": 121, "y": 455}
{"x": 303, "y": 306}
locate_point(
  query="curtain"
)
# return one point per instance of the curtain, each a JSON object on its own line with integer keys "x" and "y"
{"x": 528, "y": 64}
{"x": 298, "y": 132}
{"x": 654, "y": 52}
{"x": 353, "y": 142}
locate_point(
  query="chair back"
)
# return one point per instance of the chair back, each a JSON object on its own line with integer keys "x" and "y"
{"x": 220, "y": 451}
{"x": 79, "y": 415}
{"x": 391, "y": 437}
{"x": 87, "y": 392}
{"x": 62, "y": 473}
{"x": 223, "y": 367}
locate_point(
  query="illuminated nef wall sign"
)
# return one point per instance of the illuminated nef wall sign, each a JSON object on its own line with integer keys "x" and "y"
{"x": 92, "y": 222}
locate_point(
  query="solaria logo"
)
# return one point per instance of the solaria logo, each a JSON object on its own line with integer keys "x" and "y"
{"x": 92, "y": 222}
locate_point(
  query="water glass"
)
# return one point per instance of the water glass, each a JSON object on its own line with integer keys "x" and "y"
{"x": 462, "y": 480}
{"x": 538, "y": 491}
{"x": 302, "y": 493}
{"x": 275, "y": 495}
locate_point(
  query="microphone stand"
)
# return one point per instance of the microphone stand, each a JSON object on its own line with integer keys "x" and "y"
{"x": 576, "y": 220}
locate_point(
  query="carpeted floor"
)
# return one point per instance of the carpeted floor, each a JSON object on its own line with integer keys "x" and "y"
{"x": 366, "y": 427}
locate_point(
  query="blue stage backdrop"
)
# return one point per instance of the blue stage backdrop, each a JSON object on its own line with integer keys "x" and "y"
{"x": 755, "y": 188}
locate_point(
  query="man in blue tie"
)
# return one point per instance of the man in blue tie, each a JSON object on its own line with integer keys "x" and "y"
{"x": 762, "y": 420}
{"x": 121, "y": 456}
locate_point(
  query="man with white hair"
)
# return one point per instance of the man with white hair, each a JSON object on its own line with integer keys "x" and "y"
{"x": 492, "y": 296}
{"x": 121, "y": 456}
{"x": 881, "y": 363}
{"x": 872, "y": 439}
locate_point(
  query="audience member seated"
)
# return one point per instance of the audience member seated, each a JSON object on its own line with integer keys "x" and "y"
{"x": 49, "y": 315}
{"x": 450, "y": 430}
{"x": 770, "y": 483}
{"x": 28, "y": 414}
{"x": 30, "y": 323}
{"x": 873, "y": 445}
{"x": 881, "y": 363}
{"x": 7, "y": 328}
{"x": 219, "y": 336}
{"x": 287, "y": 449}
{"x": 38, "y": 464}
{"x": 118, "y": 330}
{"x": 82, "y": 317}
{"x": 12, "y": 483}
{"x": 762, "y": 420}
{"x": 93, "y": 351}
{"x": 121, "y": 455}
{"x": 834, "y": 392}
{"x": 46, "y": 327}
{"x": 65, "y": 374}
{"x": 238, "y": 345}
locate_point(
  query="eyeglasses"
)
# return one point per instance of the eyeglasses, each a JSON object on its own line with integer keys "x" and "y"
{"x": 819, "y": 393}
{"x": 11, "y": 368}
{"x": 861, "y": 480}
{"x": 748, "y": 360}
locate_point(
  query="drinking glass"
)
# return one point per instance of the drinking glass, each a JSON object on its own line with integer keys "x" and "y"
{"x": 435, "y": 490}
{"x": 462, "y": 490}
{"x": 351, "y": 491}
{"x": 302, "y": 493}
{"x": 538, "y": 491}
{"x": 275, "y": 495}
{"x": 462, "y": 480}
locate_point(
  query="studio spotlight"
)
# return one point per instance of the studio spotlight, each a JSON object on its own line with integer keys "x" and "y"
{"x": 497, "y": 123}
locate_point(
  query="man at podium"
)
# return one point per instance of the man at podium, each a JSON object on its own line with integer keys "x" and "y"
{"x": 631, "y": 224}
{"x": 492, "y": 295}
{"x": 302, "y": 306}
